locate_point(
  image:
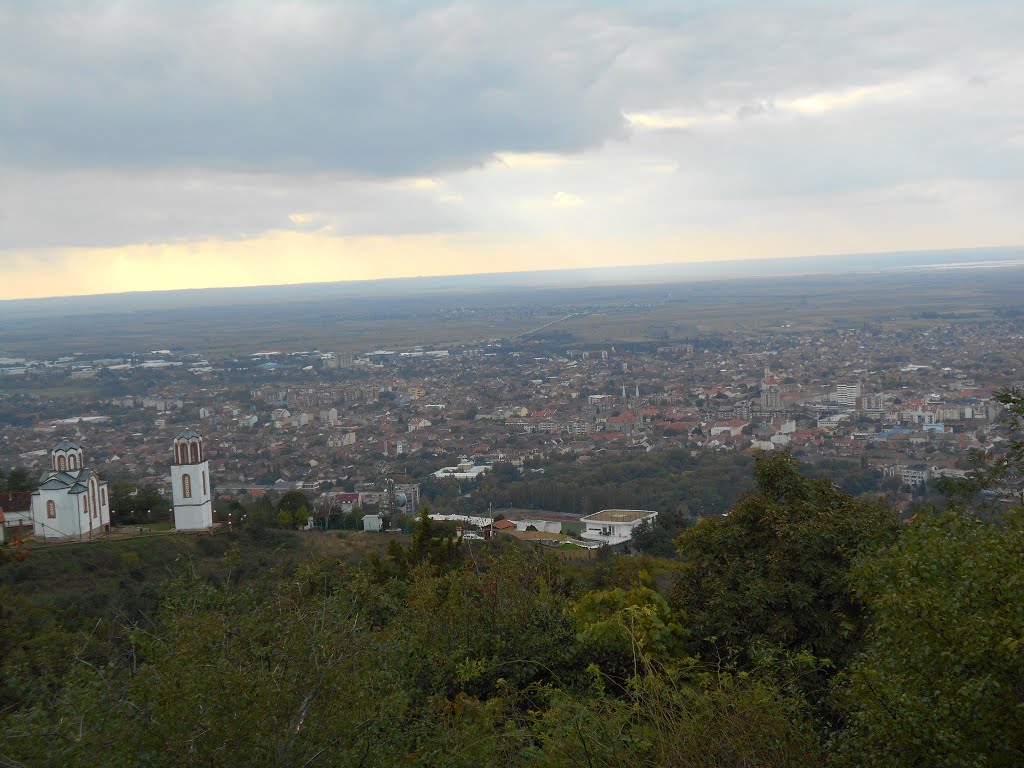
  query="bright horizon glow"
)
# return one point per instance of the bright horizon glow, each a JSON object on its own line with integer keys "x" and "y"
{"x": 347, "y": 141}
{"x": 135, "y": 266}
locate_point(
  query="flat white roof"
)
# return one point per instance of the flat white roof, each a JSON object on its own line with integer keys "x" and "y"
{"x": 618, "y": 515}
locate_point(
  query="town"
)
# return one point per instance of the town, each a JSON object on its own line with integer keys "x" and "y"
{"x": 511, "y": 385}
{"x": 384, "y": 431}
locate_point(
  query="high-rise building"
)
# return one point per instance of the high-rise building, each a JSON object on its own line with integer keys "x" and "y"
{"x": 771, "y": 393}
{"x": 873, "y": 403}
{"x": 847, "y": 394}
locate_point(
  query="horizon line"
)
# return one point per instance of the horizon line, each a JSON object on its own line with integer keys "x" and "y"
{"x": 704, "y": 263}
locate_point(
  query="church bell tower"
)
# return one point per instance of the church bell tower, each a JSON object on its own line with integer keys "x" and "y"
{"x": 190, "y": 484}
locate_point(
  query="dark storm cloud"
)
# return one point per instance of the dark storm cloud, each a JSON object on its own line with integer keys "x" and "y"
{"x": 416, "y": 88}
{"x": 372, "y": 90}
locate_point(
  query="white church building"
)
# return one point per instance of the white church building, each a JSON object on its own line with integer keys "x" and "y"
{"x": 190, "y": 484}
{"x": 71, "y": 501}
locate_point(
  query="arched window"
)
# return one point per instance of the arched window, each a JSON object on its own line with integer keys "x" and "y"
{"x": 95, "y": 506}
{"x": 72, "y": 461}
{"x": 186, "y": 487}
{"x": 204, "y": 482}
{"x": 51, "y": 509}
{"x": 103, "y": 496}
{"x": 62, "y": 463}
{"x": 195, "y": 453}
{"x": 85, "y": 499}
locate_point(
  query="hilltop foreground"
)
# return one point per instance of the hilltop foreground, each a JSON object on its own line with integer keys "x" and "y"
{"x": 806, "y": 627}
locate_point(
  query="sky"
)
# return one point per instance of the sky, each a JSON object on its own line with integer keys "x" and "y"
{"x": 186, "y": 144}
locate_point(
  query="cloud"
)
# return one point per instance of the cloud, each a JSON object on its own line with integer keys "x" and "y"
{"x": 826, "y": 101}
{"x": 566, "y": 200}
{"x": 415, "y": 89}
{"x": 667, "y": 122}
{"x": 106, "y": 208}
{"x": 813, "y": 104}
{"x": 532, "y": 160}
{"x": 370, "y": 89}
{"x": 139, "y": 127}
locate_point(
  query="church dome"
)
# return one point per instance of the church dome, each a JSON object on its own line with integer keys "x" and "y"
{"x": 66, "y": 456}
{"x": 188, "y": 447}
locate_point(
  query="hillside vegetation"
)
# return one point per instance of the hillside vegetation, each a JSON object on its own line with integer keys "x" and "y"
{"x": 807, "y": 627}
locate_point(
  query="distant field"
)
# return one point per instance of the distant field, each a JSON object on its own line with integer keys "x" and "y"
{"x": 604, "y": 314}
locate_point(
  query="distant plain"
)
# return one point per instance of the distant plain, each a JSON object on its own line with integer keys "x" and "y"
{"x": 615, "y": 306}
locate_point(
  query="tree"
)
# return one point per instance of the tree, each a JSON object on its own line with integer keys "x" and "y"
{"x": 292, "y": 518}
{"x": 776, "y": 568}
{"x": 503, "y": 472}
{"x": 138, "y": 504}
{"x": 657, "y": 537}
{"x": 260, "y": 514}
{"x": 941, "y": 679}
{"x": 1001, "y": 474}
{"x": 18, "y": 480}
{"x": 122, "y": 496}
{"x": 431, "y": 544}
{"x": 292, "y": 500}
{"x": 624, "y": 631}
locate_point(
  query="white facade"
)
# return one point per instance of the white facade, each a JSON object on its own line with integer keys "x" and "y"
{"x": 914, "y": 476}
{"x": 874, "y": 403}
{"x": 917, "y": 416}
{"x": 16, "y": 519}
{"x": 190, "y": 484}
{"x": 832, "y": 420}
{"x": 545, "y": 526}
{"x": 847, "y": 394}
{"x": 771, "y": 396}
{"x": 339, "y": 441}
{"x": 71, "y": 502}
{"x": 614, "y": 526}
{"x": 466, "y": 470}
